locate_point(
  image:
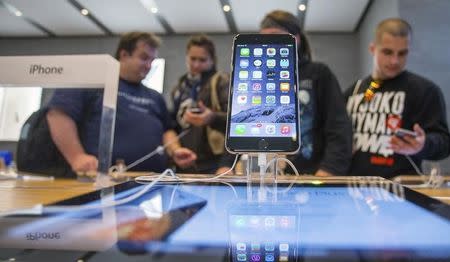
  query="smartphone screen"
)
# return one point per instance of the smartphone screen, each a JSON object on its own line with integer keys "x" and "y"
{"x": 263, "y": 232}
{"x": 263, "y": 108}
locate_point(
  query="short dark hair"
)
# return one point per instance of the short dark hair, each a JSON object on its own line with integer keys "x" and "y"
{"x": 288, "y": 22}
{"x": 393, "y": 26}
{"x": 129, "y": 40}
{"x": 204, "y": 42}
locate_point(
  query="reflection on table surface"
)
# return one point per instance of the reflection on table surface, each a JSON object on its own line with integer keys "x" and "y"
{"x": 351, "y": 217}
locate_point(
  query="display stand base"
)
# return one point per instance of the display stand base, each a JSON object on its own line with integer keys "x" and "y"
{"x": 261, "y": 174}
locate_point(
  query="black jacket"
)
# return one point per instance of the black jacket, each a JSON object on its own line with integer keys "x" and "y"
{"x": 324, "y": 124}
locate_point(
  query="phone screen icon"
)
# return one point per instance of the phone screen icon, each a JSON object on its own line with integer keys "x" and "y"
{"x": 257, "y": 52}
{"x": 270, "y": 86}
{"x": 242, "y": 99}
{"x": 243, "y": 74}
{"x": 284, "y": 51}
{"x": 244, "y": 63}
{"x": 284, "y": 74}
{"x": 285, "y": 100}
{"x": 270, "y": 129}
{"x": 271, "y": 51}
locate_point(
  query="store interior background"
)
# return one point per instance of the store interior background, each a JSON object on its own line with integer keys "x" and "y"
{"x": 346, "y": 53}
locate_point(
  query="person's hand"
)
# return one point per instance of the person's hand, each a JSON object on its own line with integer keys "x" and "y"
{"x": 84, "y": 163}
{"x": 323, "y": 173}
{"x": 184, "y": 157}
{"x": 409, "y": 145}
{"x": 222, "y": 170}
{"x": 203, "y": 118}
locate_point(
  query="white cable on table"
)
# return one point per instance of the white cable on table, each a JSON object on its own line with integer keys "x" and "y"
{"x": 41, "y": 209}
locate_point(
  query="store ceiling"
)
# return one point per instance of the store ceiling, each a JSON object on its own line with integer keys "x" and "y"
{"x": 59, "y": 18}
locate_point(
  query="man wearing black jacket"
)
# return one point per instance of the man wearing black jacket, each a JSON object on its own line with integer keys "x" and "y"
{"x": 324, "y": 125}
{"x": 392, "y": 98}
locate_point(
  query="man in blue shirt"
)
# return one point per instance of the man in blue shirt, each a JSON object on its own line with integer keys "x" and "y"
{"x": 142, "y": 119}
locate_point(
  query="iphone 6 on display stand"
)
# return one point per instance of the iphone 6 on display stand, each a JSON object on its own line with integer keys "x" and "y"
{"x": 263, "y": 108}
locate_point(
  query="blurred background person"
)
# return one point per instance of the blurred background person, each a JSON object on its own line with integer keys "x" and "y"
{"x": 324, "y": 125}
{"x": 142, "y": 119}
{"x": 200, "y": 100}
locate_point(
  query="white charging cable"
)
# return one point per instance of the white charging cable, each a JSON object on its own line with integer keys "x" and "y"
{"x": 435, "y": 179}
{"x": 289, "y": 162}
{"x": 144, "y": 179}
{"x": 41, "y": 209}
{"x": 117, "y": 171}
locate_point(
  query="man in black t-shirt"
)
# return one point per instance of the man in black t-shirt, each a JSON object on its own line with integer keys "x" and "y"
{"x": 392, "y": 98}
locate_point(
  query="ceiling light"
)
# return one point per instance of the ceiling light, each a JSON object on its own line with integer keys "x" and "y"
{"x": 150, "y": 5}
{"x": 302, "y": 7}
{"x": 11, "y": 9}
{"x": 226, "y": 8}
{"x": 84, "y": 11}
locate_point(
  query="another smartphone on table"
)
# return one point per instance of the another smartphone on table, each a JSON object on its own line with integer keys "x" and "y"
{"x": 263, "y": 112}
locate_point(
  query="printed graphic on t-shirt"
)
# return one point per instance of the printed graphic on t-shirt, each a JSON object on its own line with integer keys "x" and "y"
{"x": 374, "y": 123}
{"x": 137, "y": 103}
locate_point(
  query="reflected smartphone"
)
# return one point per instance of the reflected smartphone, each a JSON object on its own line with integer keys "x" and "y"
{"x": 263, "y": 107}
{"x": 400, "y": 132}
{"x": 263, "y": 232}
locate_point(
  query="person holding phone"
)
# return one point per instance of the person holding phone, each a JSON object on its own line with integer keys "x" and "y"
{"x": 200, "y": 100}
{"x": 395, "y": 112}
{"x": 324, "y": 125}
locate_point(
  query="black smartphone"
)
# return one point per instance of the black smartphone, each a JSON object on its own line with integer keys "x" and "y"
{"x": 263, "y": 232}
{"x": 400, "y": 132}
{"x": 195, "y": 110}
{"x": 263, "y": 113}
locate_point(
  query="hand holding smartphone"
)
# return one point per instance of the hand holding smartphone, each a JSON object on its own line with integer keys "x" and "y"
{"x": 195, "y": 110}
{"x": 400, "y": 132}
{"x": 263, "y": 105}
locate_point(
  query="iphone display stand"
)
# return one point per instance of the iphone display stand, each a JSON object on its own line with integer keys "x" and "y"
{"x": 72, "y": 71}
{"x": 261, "y": 172}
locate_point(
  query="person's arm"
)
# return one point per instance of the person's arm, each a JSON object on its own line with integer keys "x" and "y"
{"x": 225, "y": 163}
{"x": 64, "y": 133}
{"x": 182, "y": 156}
{"x": 433, "y": 139}
{"x": 219, "y": 121}
{"x": 337, "y": 127}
